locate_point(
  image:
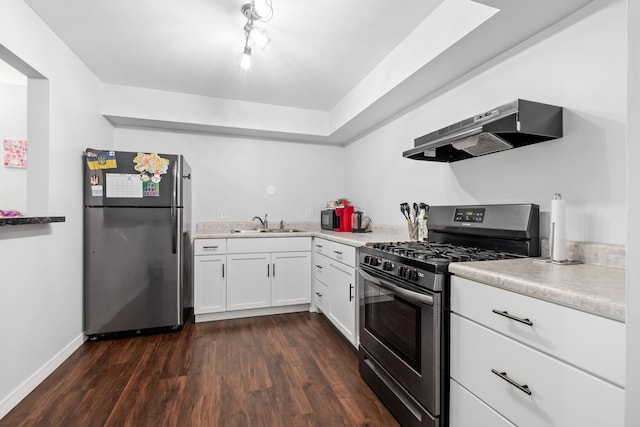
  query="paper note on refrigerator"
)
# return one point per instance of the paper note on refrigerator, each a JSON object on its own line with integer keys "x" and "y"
{"x": 124, "y": 185}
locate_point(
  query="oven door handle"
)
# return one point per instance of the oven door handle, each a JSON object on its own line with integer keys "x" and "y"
{"x": 405, "y": 293}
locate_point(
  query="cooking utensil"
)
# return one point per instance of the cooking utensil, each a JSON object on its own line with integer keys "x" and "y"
{"x": 416, "y": 212}
{"x": 404, "y": 209}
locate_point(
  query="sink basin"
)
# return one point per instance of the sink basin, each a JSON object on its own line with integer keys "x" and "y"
{"x": 254, "y": 231}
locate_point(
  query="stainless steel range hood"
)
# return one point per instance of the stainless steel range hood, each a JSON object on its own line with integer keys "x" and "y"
{"x": 508, "y": 126}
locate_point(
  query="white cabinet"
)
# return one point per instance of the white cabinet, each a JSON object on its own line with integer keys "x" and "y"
{"x": 533, "y": 362}
{"x": 469, "y": 411}
{"x": 290, "y": 278}
{"x": 244, "y": 277}
{"x": 268, "y": 272}
{"x": 335, "y": 291}
{"x": 209, "y": 276}
{"x": 342, "y": 306}
{"x": 248, "y": 281}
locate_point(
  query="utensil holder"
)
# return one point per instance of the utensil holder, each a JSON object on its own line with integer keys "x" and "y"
{"x": 413, "y": 231}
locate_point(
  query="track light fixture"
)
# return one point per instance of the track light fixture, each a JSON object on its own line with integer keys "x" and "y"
{"x": 257, "y": 10}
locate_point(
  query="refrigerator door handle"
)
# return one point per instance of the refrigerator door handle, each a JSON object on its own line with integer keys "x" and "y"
{"x": 174, "y": 207}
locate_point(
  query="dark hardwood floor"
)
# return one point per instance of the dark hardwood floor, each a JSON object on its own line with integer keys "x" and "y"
{"x": 283, "y": 370}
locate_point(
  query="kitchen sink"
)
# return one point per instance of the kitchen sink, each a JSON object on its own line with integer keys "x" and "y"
{"x": 271, "y": 230}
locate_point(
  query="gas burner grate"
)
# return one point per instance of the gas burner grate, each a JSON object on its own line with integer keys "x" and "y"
{"x": 425, "y": 251}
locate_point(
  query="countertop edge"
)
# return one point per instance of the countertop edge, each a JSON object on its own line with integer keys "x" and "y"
{"x": 599, "y": 305}
{"x": 353, "y": 239}
{"x": 29, "y": 220}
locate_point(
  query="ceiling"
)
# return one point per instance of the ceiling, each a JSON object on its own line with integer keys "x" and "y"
{"x": 319, "y": 50}
{"x": 357, "y": 62}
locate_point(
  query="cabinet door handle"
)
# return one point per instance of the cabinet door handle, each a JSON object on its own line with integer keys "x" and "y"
{"x": 268, "y": 266}
{"x": 209, "y": 247}
{"x": 524, "y": 388}
{"x": 319, "y": 294}
{"x": 319, "y": 266}
{"x": 337, "y": 252}
{"x": 223, "y": 271}
{"x": 512, "y": 317}
{"x": 318, "y": 246}
{"x": 350, "y": 293}
{"x": 274, "y": 269}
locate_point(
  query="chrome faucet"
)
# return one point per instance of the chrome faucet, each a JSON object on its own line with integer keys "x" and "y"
{"x": 265, "y": 223}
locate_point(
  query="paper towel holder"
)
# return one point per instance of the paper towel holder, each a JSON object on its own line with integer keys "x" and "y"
{"x": 552, "y": 237}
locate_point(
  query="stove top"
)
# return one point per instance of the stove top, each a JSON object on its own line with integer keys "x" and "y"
{"x": 441, "y": 252}
{"x": 421, "y": 264}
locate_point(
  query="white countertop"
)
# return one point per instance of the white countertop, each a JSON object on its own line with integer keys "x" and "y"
{"x": 380, "y": 233}
{"x": 595, "y": 289}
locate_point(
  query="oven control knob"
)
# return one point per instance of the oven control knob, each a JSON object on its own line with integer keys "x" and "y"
{"x": 387, "y": 266}
{"x": 402, "y": 271}
{"x": 367, "y": 259}
{"x": 412, "y": 274}
{"x": 375, "y": 261}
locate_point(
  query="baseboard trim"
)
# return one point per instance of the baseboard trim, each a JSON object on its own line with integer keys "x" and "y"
{"x": 9, "y": 402}
{"x": 239, "y": 314}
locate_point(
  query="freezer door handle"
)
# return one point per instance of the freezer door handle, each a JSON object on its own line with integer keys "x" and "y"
{"x": 174, "y": 207}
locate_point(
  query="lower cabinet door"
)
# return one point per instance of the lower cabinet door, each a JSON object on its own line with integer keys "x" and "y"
{"x": 342, "y": 292}
{"x": 291, "y": 278}
{"x": 528, "y": 387}
{"x": 466, "y": 410}
{"x": 210, "y": 288}
{"x": 248, "y": 281}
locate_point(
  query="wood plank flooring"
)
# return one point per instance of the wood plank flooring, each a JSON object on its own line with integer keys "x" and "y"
{"x": 283, "y": 370}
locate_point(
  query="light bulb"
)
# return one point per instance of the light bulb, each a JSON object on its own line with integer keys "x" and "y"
{"x": 262, "y": 8}
{"x": 259, "y": 37}
{"x": 246, "y": 60}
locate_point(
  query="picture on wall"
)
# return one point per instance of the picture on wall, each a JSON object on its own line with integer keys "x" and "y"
{"x": 15, "y": 153}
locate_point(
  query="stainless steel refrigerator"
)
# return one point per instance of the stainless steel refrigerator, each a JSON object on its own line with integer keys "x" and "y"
{"x": 137, "y": 243}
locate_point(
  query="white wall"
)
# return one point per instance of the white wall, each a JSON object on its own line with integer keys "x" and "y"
{"x": 13, "y": 125}
{"x": 579, "y": 64}
{"x": 233, "y": 173}
{"x": 633, "y": 217}
{"x": 41, "y": 265}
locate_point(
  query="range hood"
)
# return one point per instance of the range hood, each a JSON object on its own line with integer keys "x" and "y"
{"x": 508, "y": 126}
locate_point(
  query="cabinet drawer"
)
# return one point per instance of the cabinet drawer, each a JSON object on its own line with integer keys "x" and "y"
{"x": 321, "y": 296}
{"x": 467, "y": 410}
{"x": 561, "y": 395}
{"x": 209, "y": 246}
{"x": 321, "y": 267}
{"x": 590, "y": 342}
{"x": 268, "y": 244}
{"x": 337, "y": 251}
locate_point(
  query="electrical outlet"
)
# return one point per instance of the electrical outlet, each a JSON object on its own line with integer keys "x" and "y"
{"x": 308, "y": 213}
{"x": 221, "y": 214}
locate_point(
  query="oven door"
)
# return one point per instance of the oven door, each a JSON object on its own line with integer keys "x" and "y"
{"x": 400, "y": 329}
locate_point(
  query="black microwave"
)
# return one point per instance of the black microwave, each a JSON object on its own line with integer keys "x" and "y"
{"x": 329, "y": 220}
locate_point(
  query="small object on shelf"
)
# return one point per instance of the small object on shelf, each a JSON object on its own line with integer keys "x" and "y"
{"x": 9, "y": 214}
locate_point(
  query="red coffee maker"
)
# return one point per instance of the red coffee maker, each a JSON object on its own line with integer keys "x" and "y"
{"x": 344, "y": 214}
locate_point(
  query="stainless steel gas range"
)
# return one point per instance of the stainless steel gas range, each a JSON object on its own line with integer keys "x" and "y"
{"x": 404, "y": 302}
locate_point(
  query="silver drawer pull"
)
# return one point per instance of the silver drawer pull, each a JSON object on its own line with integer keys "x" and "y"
{"x": 318, "y": 246}
{"x": 209, "y": 247}
{"x": 337, "y": 252}
{"x": 512, "y": 317}
{"x": 319, "y": 266}
{"x": 319, "y": 294}
{"x": 524, "y": 388}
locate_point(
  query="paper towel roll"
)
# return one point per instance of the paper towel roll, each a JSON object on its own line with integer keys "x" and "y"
{"x": 557, "y": 244}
